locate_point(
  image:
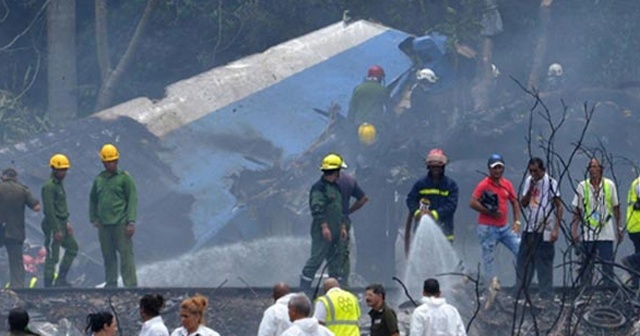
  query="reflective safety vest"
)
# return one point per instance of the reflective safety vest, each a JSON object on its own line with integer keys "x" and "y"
{"x": 343, "y": 312}
{"x": 588, "y": 207}
{"x": 633, "y": 215}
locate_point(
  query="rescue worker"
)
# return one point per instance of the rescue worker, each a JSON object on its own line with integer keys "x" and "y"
{"x": 18, "y": 321}
{"x": 597, "y": 215}
{"x": 14, "y": 197}
{"x": 56, "y": 226}
{"x": 633, "y": 227}
{"x": 434, "y": 195}
{"x": 113, "y": 206}
{"x": 384, "y": 321}
{"x": 350, "y": 188}
{"x": 328, "y": 229}
{"x": 555, "y": 77}
{"x": 303, "y": 325}
{"x": 338, "y": 309}
{"x": 275, "y": 319}
{"x": 435, "y": 316}
{"x": 370, "y": 99}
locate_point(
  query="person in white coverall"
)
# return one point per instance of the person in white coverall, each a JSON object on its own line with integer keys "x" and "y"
{"x": 435, "y": 316}
{"x": 303, "y": 325}
{"x": 275, "y": 319}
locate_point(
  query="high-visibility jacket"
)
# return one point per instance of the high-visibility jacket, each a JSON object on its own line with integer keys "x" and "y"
{"x": 633, "y": 216}
{"x": 588, "y": 207}
{"x": 343, "y": 312}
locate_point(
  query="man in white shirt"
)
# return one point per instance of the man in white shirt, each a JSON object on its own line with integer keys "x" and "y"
{"x": 275, "y": 319}
{"x": 597, "y": 213}
{"x": 540, "y": 198}
{"x": 303, "y": 325}
{"x": 435, "y": 316}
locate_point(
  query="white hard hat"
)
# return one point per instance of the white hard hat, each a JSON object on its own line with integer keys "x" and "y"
{"x": 495, "y": 71}
{"x": 555, "y": 70}
{"x": 427, "y": 74}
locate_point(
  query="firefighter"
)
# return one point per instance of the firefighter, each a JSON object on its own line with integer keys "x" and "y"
{"x": 56, "y": 226}
{"x": 113, "y": 206}
{"x": 328, "y": 229}
{"x": 434, "y": 195}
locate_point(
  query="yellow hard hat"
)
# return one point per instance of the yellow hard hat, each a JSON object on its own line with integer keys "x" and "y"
{"x": 109, "y": 153}
{"x": 367, "y": 133}
{"x": 332, "y": 162}
{"x": 59, "y": 161}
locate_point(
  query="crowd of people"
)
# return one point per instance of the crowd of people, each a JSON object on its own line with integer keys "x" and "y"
{"x": 112, "y": 210}
{"x": 530, "y": 235}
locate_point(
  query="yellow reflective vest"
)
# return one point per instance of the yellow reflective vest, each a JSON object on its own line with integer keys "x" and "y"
{"x": 633, "y": 216}
{"x": 343, "y": 312}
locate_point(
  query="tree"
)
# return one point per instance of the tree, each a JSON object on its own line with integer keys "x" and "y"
{"x": 111, "y": 78}
{"x": 61, "y": 60}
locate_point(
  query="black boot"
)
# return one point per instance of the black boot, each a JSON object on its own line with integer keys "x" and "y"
{"x": 48, "y": 282}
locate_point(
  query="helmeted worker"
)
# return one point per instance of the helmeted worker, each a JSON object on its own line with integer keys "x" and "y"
{"x": 555, "y": 77}
{"x": 113, "y": 206}
{"x": 328, "y": 228}
{"x": 369, "y": 99}
{"x": 435, "y": 195}
{"x": 338, "y": 309}
{"x": 56, "y": 226}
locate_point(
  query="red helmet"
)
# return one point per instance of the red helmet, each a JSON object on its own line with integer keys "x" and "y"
{"x": 376, "y": 71}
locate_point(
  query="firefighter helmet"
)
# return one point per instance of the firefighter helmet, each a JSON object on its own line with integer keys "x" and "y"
{"x": 59, "y": 161}
{"x": 332, "y": 162}
{"x": 427, "y": 74}
{"x": 555, "y": 70}
{"x": 367, "y": 133}
{"x": 436, "y": 157}
{"x": 109, "y": 153}
{"x": 376, "y": 71}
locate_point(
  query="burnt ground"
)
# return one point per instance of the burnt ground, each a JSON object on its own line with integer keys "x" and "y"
{"x": 237, "y": 311}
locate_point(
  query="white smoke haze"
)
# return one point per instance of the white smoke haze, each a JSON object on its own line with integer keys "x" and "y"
{"x": 261, "y": 263}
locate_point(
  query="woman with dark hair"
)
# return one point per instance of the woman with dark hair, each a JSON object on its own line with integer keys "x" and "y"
{"x": 101, "y": 324}
{"x": 192, "y": 318}
{"x": 18, "y": 321}
{"x": 153, "y": 325}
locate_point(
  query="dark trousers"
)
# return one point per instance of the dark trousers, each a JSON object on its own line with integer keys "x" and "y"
{"x": 16, "y": 265}
{"x": 591, "y": 252}
{"x": 634, "y": 259}
{"x": 535, "y": 256}
{"x": 335, "y": 252}
{"x": 70, "y": 246}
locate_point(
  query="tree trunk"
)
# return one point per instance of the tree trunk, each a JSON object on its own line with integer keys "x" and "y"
{"x": 102, "y": 42}
{"x": 105, "y": 95}
{"x": 61, "y": 59}
{"x": 541, "y": 45}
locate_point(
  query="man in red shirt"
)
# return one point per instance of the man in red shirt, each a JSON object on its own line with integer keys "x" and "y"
{"x": 490, "y": 199}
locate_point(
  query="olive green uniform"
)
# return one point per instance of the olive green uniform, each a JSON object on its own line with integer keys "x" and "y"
{"x": 56, "y": 217}
{"x": 325, "y": 202}
{"x": 113, "y": 203}
{"x": 13, "y": 199}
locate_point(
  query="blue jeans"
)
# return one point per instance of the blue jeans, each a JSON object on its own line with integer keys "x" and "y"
{"x": 536, "y": 256}
{"x": 489, "y": 237}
